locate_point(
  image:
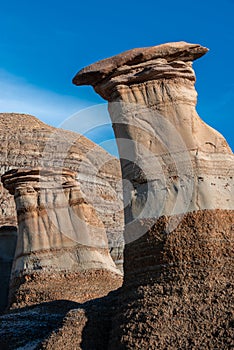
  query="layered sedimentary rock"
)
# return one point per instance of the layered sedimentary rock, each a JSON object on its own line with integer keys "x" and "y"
{"x": 28, "y": 142}
{"x": 7, "y": 208}
{"x": 179, "y": 198}
{"x": 61, "y": 240}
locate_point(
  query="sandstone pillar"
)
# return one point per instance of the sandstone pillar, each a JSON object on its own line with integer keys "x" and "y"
{"x": 61, "y": 242}
{"x": 178, "y": 186}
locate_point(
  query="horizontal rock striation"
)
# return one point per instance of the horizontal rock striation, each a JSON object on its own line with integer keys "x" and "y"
{"x": 117, "y": 66}
{"x": 179, "y": 198}
{"x": 26, "y": 142}
{"x": 159, "y": 131}
{"x": 60, "y": 237}
{"x": 179, "y": 224}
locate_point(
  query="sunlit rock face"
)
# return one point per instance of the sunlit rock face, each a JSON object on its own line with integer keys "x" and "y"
{"x": 60, "y": 236}
{"x": 179, "y": 198}
{"x": 167, "y": 151}
{"x": 26, "y": 142}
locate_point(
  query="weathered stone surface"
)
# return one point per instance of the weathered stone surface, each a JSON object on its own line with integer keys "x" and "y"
{"x": 178, "y": 288}
{"x": 60, "y": 235}
{"x": 178, "y": 192}
{"x": 164, "y": 304}
{"x": 8, "y": 239}
{"x": 28, "y": 142}
{"x": 28, "y": 327}
{"x": 7, "y": 208}
{"x": 59, "y": 325}
{"x": 164, "y": 137}
{"x": 118, "y": 65}
{"x": 179, "y": 196}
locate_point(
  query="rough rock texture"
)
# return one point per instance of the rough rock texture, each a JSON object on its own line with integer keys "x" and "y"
{"x": 28, "y": 327}
{"x": 178, "y": 289}
{"x": 116, "y": 65}
{"x": 182, "y": 299}
{"x": 7, "y": 208}
{"x": 178, "y": 193}
{"x": 179, "y": 201}
{"x": 8, "y": 239}
{"x": 60, "y": 236}
{"x": 167, "y": 151}
{"x": 59, "y": 325}
{"x": 26, "y": 142}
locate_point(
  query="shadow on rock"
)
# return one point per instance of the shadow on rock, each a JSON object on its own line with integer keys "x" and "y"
{"x": 86, "y": 327}
{"x": 30, "y": 326}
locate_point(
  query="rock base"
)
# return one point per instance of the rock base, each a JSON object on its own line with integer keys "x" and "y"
{"x": 177, "y": 292}
{"x": 183, "y": 301}
{"x": 78, "y": 287}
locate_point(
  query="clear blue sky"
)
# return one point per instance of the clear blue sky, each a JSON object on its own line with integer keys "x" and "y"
{"x": 44, "y": 43}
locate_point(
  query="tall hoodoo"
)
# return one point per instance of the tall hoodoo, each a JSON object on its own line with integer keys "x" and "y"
{"x": 167, "y": 152}
{"x": 179, "y": 200}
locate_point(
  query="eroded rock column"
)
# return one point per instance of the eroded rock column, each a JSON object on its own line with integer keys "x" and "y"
{"x": 178, "y": 187}
{"x": 62, "y": 244}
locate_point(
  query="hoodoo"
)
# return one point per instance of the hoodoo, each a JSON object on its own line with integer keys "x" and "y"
{"x": 179, "y": 198}
{"x": 61, "y": 240}
{"x": 52, "y": 175}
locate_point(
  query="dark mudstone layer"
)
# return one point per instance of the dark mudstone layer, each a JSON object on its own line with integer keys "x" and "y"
{"x": 178, "y": 287}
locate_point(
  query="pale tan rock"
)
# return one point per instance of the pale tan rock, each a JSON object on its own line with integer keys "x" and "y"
{"x": 179, "y": 199}
{"x": 59, "y": 232}
{"x": 178, "y": 283}
{"x": 28, "y": 142}
{"x": 152, "y": 101}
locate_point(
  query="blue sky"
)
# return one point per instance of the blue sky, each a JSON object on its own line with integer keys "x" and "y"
{"x": 43, "y": 45}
